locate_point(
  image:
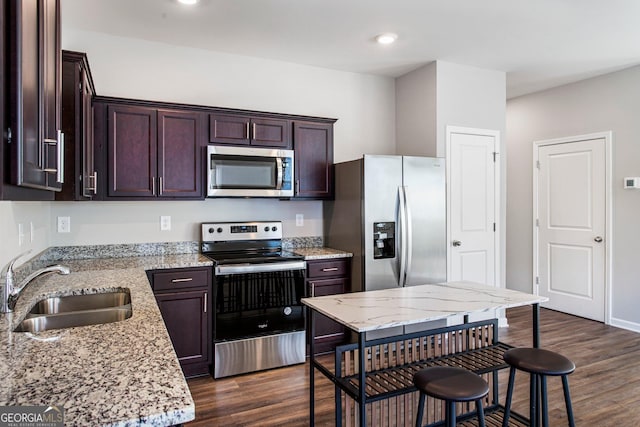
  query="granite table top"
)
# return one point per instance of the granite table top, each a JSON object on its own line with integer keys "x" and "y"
{"x": 381, "y": 309}
{"x": 118, "y": 374}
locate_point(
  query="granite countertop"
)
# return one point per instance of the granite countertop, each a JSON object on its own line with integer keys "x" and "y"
{"x": 314, "y": 253}
{"x": 119, "y": 374}
{"x": 371, "y": 310}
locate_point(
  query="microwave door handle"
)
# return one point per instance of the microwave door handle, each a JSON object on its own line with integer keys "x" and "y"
{"x": 279, "y": 173}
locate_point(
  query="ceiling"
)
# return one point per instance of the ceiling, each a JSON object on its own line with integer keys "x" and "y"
{"x": 538, "y": 43}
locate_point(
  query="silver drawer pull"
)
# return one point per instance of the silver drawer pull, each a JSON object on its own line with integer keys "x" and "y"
{"x": 263, "y": 325}
{"x": 188, "y": 279}
{"x": 205, "y": 302}
{"x": 330, "y": 269}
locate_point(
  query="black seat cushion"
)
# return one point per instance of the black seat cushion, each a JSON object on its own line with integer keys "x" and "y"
{"x": 448, "y": 383}
{"x": 539, "y": 361}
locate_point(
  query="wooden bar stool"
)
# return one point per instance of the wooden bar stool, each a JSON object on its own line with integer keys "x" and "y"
{"x": 451, "y": 385}
{"x": 540, "y": 364}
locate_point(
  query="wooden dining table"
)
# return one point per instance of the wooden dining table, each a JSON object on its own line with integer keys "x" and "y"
{"x": 364, "y": 312}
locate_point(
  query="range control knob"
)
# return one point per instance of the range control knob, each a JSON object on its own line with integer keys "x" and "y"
{"x": 274, "y": 228}
{"x": 219, "y": 230}
{"x": 266, "y": 229}
{"x": 211, "y": 230}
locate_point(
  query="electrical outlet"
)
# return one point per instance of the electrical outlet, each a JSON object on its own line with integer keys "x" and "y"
{"x": 299, "y": 220}
{"x": 165, "y": 223}
{"x": 64, "y": 224}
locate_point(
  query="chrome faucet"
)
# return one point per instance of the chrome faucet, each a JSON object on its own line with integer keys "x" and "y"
{"x": 11, "y": 292}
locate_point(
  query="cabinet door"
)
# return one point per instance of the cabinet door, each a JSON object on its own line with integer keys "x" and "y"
{"x": 51, "y": 90}
{"x": 185, "y": 316}
{"x": 132, "y": 151}
{"x": 328, "y": 332}
{"x": 271, "y": 133}
{"x": 313, "y": 145}
{"x": 228, "y": 129}
{"x": 34, "y": 93}
{"x": 180, "y": 145}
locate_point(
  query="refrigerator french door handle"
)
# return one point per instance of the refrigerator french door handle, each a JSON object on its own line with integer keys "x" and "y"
{"x": 403, "y": 237}
{"x": 409, "y": 235}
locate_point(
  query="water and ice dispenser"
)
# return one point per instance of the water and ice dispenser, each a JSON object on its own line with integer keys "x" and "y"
{"x": 384, "y": 240}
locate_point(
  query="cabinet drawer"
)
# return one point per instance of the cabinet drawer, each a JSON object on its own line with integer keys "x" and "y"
{"x": 328, "y": 268}
{"x": 180, "y": 279}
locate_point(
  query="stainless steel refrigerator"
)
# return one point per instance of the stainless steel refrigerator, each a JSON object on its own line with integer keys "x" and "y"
{"x": 390, "y": 212}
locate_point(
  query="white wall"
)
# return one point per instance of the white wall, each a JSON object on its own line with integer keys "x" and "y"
{"x": 12, "y": 214}
{"x": 609, "y": 102}
{"x": 416, "y": 113}
{"x": 96, "y": 223}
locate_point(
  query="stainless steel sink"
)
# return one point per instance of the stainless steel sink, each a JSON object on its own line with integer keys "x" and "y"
{"x": 77, "y": 310}
{"x": 71, "y": 303}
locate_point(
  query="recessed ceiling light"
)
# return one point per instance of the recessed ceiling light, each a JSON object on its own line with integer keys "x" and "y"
{"x": 188, "y": 2}
{"x": 386, "y": 38}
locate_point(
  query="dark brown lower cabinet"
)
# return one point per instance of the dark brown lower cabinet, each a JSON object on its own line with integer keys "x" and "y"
{"x": 183, "y": 296}
{"x": 328, "y": 277}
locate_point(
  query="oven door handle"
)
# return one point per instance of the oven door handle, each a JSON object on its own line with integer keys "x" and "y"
{"x": 229, "y": 269}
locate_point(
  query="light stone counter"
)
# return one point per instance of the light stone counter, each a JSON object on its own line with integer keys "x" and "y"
{"x": 120, "y": 374}
{"x": 371, "y": 310}
{"x": 315, "y": 253}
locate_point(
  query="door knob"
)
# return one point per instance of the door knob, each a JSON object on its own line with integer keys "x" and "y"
{"x": 456, "y": 243}
{"x": 598, "y": 239}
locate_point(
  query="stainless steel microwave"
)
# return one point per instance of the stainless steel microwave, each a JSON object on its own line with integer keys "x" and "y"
{"x": 249, "y": 172}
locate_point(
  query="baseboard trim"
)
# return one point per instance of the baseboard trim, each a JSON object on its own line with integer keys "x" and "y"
{"x": 625, "y": 324}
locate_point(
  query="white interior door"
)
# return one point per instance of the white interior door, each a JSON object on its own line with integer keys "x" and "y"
{"x": 472, "y": 178}
{"x": 571, "y": 226}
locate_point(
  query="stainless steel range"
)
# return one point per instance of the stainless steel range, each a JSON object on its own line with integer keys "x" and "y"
{"x": 259, "y": 320}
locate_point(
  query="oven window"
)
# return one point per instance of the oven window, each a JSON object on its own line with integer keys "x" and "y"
{"x": 243, "y": 172}
{"x": 255, "y": 304}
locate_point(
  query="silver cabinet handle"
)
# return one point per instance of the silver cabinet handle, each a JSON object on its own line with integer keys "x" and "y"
{"x": 160, "y": 186}
{"x": 254, "y": 132}
{"x": 598, "y": 239}
{"x": 330, "y": 269}
{"x": 313, "y": 289}
{"x": 205, "y": 302}
{"x": 60, "y": 153}
{"x": 248, "y": 136}
{"x": 59, "y": 143}
{"x": 153, "y": 185}
{"x": 94, "y": 179}
{"x": 186, "y": 279}
{"x": 297, "y": 186}
{"x": 456, "y": 243}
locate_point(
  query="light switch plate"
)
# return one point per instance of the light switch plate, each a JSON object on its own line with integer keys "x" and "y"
{"x": 299, "y": 220}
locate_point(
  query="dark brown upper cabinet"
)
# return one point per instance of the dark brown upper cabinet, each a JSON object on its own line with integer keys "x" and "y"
{"x": 80, "y": 174}
{"x": 180, "y": 151}
{"x": 313, "y": 146}
{"x": 246, "y": 130}
{"x": 34, "y": 89}
{"x": 152, "y": 153}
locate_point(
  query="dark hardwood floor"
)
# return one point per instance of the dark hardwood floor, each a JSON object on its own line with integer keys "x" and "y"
{"x": 605, "y": 387}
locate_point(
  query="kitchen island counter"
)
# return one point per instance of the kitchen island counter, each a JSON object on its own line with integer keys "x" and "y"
{"x": 122, "y": 373}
